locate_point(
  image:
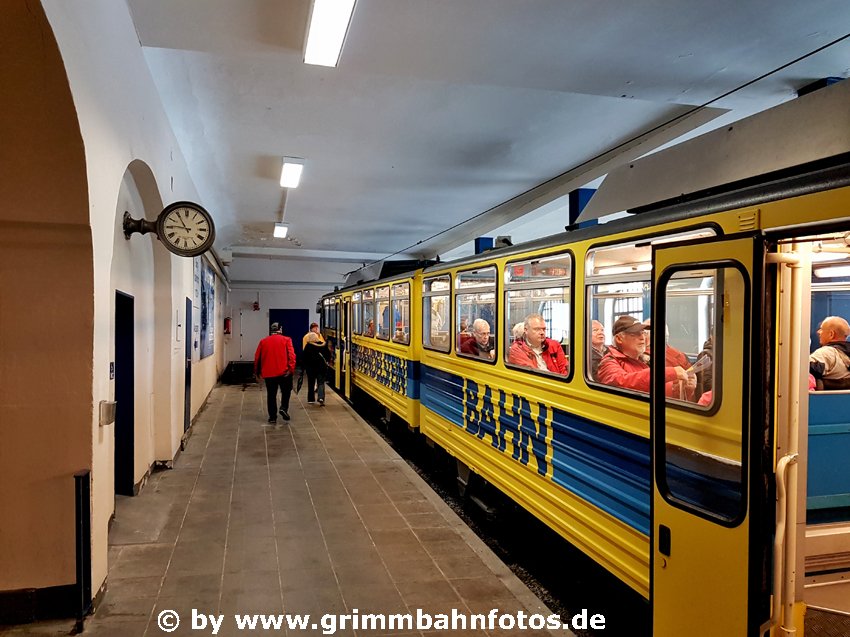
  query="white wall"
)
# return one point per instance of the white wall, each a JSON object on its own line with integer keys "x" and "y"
{"x": 250, "y": 326}
{"x": 121, "y": 120}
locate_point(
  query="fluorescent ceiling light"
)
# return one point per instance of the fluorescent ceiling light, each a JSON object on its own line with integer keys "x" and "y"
{"x": 833, "y": 271}
{"x": 329, "y": 22}
{"x": 290, "y": 174}
{"x": 280, "y": 230}
{"x": 623, "y": 269}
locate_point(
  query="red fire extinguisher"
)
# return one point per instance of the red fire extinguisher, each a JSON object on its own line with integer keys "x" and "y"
{"x": 227, "y": 324}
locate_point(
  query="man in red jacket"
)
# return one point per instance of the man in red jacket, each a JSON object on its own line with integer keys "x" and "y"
{"x": 274, "y": 360}
{"x": 624, "y": 367}
{"x": 536, "y": 350}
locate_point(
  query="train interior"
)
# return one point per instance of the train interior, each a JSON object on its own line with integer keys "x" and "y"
{"x": 827, "y": 476}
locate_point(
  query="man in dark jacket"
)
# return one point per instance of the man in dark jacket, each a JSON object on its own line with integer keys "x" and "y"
{"x": 316, "y": 361}
{"x": 481, "y": 344}
{"x": 274, "y": 360}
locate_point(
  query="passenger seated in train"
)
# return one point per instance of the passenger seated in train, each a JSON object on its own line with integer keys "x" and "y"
{"x": 482, "y": 344}
{"x": 536, "y": 350}
{"x": 672, "y": 356}
{"x": 705, "y": 377}
{"x": 598, "y": 349}
{"x": 517, "y": 331}
{"x": 370, "y": 328}
{"x": 400, "y": 336}
{"x": 622, "y": 366}
{"x": 830, "y": 363}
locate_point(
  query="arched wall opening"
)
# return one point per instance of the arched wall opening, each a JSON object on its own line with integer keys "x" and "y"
{"x": 46, "y": 309}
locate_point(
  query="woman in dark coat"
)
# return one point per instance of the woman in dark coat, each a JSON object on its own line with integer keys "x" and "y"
{"x": 316, "y": 360}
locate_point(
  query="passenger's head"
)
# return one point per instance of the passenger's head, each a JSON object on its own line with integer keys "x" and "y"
{"x": 648, "y": 334}
{"x": 833, "y": 328}
{"x": 535, "y": 330}
{"x": 597, "y": 334}
{"x": 629, "y": 336}
{"x": 275, "y": 328}
{"x": 464, "y": 325}
{"x": 518, "y": 331}
{"x": 481, "y": 332}
{"x": 312, "y": 337}
{"x": 314, "y": 327}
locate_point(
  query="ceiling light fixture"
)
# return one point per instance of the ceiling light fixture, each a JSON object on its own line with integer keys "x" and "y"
{"x": 833, "y": 272}
{"x": 329, "y": 22}
{"x": 290, "y": 173}
{"x": 280, "y": 230}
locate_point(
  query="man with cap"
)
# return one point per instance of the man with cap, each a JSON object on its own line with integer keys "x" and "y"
{"x": 274, "y": 360}
{"x": 623, "y": 366}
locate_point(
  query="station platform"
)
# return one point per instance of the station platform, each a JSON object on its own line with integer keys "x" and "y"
{"x": 314, "y": 516}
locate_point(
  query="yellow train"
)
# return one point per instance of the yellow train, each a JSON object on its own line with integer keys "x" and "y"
{"x": 685, "y": 474}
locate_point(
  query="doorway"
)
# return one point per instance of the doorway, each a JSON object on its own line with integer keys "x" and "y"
{"x": 124, "y": 394}
{"x": 295, "y": 323}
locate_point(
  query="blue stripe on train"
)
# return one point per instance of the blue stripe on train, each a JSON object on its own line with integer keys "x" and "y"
{"x": 603, "y": 465}
{"x": 413, "y": 379}
{"x": 600, "y": 464}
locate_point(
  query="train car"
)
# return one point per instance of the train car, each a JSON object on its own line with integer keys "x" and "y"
{"x": 642, "y": 386}
{"x": 380, "y": 343}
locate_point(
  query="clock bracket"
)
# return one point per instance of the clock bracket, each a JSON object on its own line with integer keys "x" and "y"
{"x": 142, "y": 226}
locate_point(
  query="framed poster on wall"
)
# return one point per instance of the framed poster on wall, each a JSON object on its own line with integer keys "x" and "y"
{"x": 207, "y": 314}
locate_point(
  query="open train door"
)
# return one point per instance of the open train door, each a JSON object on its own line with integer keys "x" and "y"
{"x": 344, "y": 348}
{"x": 707, "y": 558}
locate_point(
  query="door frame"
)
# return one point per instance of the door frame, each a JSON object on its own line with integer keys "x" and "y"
{"x": 746, "y": 254}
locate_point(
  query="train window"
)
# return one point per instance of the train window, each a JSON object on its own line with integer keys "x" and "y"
{"x": 475, "y": 312}
{"x": 401, "y": 312}
{"x": 618, "y": 285}
{"x": 538, "y": 317}
{"x": 435, "y": 313}
{"x": 382, "y": 312}
{"x": 356, "y": 316}
{"x": 333, "y": 308}
{"x": 704, "y": 442}
{"x": 368, "y": 312}
{"x": 634, "y": 257}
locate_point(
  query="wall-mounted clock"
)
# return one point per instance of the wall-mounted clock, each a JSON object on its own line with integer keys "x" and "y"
{"x": 184, "y": 228}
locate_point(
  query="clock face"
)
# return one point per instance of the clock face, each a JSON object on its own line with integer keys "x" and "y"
{"x": 186, "y": 229}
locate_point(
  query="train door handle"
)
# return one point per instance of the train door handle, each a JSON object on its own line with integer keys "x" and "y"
{"x": 664, "y": 540}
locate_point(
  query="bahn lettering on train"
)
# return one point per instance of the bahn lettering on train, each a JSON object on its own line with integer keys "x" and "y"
{"x": 510, "y": 421}
{"x": 387, "y": 369}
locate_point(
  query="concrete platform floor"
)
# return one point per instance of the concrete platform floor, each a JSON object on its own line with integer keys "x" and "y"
{"x": 318, "y": 515}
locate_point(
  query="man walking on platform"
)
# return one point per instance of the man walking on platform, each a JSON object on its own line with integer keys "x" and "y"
{"x": 274, "y": 360}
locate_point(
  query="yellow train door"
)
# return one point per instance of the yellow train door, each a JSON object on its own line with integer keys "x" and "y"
{"x": 708, "y": 555}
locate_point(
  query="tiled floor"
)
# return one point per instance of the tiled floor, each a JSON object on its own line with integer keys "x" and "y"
{"x": 316, "y": 516}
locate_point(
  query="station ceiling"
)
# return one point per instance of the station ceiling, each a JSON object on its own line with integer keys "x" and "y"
{"x": 447, "y": 119}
